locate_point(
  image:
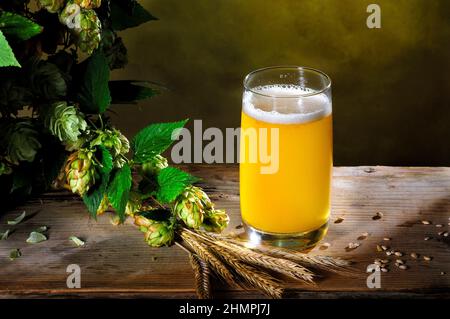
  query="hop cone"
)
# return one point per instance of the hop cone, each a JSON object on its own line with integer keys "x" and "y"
{"x": 134, "y": 204}
{"x": 52, "y": 5}
{"x": 104, "y": 205}
{"x": 192, "y": 205}
{"x": 216, "y": 220}
{"x": 154, "y": 165}
{"x": 157, "y": 233}
{"x": 65, "y": 122}
{"x": 84, "y": 23}
{"x": 115, "y": 142}
{"x": 80, "y": 171}
{"x": 21, "y": 141}
{"x": 46, "y": 80}
{"x": 88, "y": 4}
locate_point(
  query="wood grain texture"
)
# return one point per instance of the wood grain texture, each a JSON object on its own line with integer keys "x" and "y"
{"x": 116, "y": 262}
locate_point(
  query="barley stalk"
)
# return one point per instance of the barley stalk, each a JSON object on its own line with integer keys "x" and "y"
{"x": 318, "y": 261}
{"x": 283, "y": 266}
{"x": 211, "y": 259}
{"x": 202, "y": 276}
{"x": 252, "y": 276}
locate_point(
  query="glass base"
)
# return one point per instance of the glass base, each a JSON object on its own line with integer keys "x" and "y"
{"x": 295, "y": 241}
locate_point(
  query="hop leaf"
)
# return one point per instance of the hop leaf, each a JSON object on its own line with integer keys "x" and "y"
{"x": 65, "y": 122}
{"x": 46, "y": 80}
{"x": 5, "y": 168}
{"x": 13, "y": 97}
{"x": 21, "y": 141}
{"x": 157, "y": 233}
{"x": 114, "y": 49}
{"x": 52, "y": 5}
{"x": 172, "y": 182}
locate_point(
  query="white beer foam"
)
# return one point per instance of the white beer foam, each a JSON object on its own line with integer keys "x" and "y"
{"x": 285, "y": 104}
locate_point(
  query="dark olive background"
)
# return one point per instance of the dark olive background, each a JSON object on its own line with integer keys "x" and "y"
{"x": 391, "y": 86}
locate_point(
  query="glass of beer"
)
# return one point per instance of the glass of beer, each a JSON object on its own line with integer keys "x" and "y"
{"x": 286, "y": 156}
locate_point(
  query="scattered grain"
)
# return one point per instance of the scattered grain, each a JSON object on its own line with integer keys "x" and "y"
{"x": 377, "y": 216}
{"x": 363, "y": 236}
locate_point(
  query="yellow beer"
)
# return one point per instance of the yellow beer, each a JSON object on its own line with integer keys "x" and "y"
{"x": 295, "y": 198}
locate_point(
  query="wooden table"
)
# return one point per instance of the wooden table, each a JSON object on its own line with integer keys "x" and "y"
{"x": 116, "y": 262}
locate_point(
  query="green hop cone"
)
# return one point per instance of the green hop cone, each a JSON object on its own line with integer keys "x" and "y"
{"x": 80, "y": 171}
{"x": 90, "y": 34}
{"x": 66, "y": 123}
{"x": 88, "y": 4}
{"x": 115, "y": 142}
{"x": 52, "y": 5}
{"x": 134, "y": 204}
{"x": 154, "y": 165}
{"x": 104, "y": 205}
{"x": 84, "y": 24}
{"x": 192, "y": 205}
{"x": 157, "y": 233}
{"x": 216, "y": 220}
{"x": 21, "y": 141}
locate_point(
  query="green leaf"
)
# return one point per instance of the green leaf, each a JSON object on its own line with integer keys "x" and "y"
{"x": 121, "y": 20}
{"x": 21, "y": 179}
{"x": 41, "y": 229}
{"x": 95, "y": 195}
{"x": 18, "y": 27}
{"x": 14, "y": 254}
{"x": 77, "y": 241}
{"x": 172, "y": 181}
{"x": 18, "y": 219}
{"x": 129, "y": 92}
{"x": 5, "y": 235}
{"x": 94, "y": 95}
{"x": 36, "y": 238}
{"x": 119, "y": 190}
{"x": 7, "y": 57}
{"x": 154, "y": 139}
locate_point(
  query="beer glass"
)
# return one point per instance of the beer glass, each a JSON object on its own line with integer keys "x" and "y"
{"x": 286, "y": 155}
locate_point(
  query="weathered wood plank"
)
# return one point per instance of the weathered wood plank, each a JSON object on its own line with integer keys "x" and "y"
{"x": 117, "y": 263}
